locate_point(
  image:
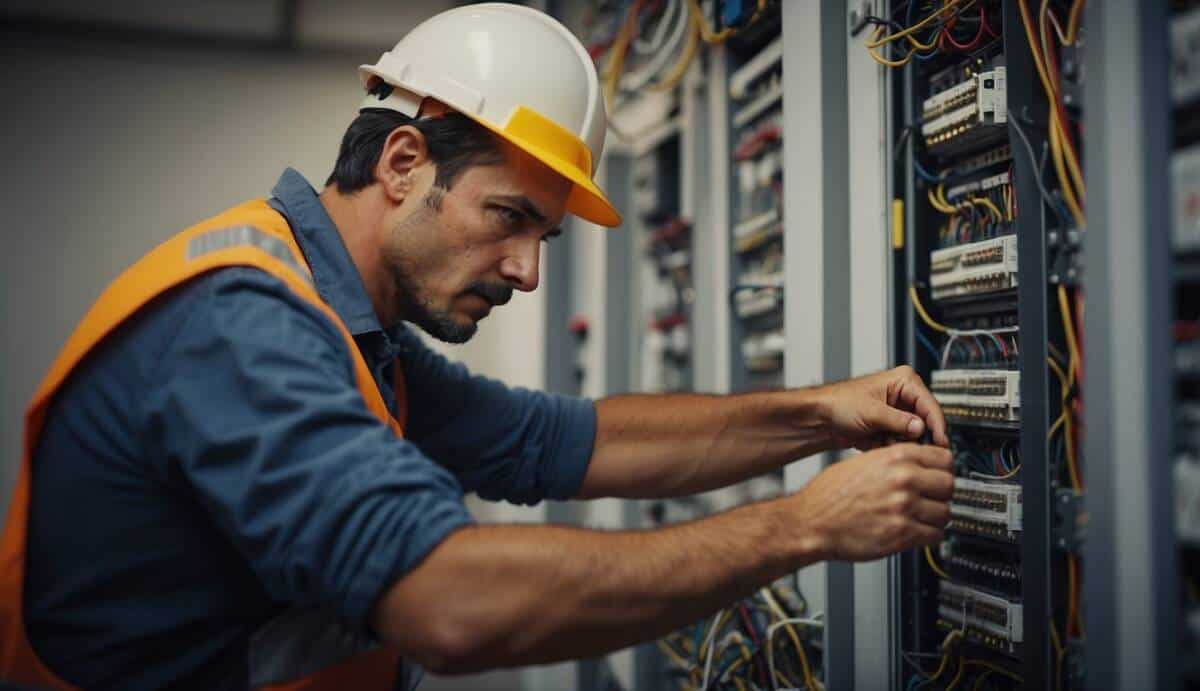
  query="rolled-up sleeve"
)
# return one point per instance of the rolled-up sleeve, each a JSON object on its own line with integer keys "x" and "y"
{"x": 257, "y": 413}
{"x": 503, "y": 443}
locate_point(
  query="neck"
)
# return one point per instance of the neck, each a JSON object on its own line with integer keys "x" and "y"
{"x": 357, "y": 218}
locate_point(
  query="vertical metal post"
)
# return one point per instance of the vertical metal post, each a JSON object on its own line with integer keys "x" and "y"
{"x": 1130, "y": 572}
{"x": 1038, "y": 516}
{"x": 868, "y": 163}
{"x": 816, "y": 251}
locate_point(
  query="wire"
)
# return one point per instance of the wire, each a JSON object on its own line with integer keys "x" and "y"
{"x": 875, "y": 41}
{"x": 925, "y": 342}
{"x": 667, "y": 19}
{"x": 933, "y": 564}
{"x": 708, "y": 644}
{"x": 786, "y": 623}
{"x": 679, "y": 69}
{"x": 929, "y": 321}
{"x": 712, "y": 37}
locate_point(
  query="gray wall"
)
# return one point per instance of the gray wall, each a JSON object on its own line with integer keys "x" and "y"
{"x": 109, "y": 149}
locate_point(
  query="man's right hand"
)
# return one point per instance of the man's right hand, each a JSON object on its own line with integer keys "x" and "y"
{"x": 877, "y": 503}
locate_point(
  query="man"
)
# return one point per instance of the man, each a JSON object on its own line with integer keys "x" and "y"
{"x": 245, "y": 468}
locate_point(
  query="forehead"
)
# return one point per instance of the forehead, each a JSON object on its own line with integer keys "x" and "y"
{"x": 520, "y": 174}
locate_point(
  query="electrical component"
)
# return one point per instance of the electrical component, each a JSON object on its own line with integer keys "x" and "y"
{"x": 763, "y": 352}
{"x": 966, "y": 113}
{"x": 1185, "y": 57}
{"x": 1187, "y": 499}
{"x": 978, "y": 395}
{"x": 979, "y": 566}
{"x": 996, "y": 505}
{"x": 974, "y": 268}
{"x": 986, "y": 619}
{"x": 1185, "y": 188}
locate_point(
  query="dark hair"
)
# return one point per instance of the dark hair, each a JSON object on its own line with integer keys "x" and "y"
{"x": 455, "y": 143}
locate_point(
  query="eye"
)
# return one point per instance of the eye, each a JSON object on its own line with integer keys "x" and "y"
{"x": 509, "y": 216}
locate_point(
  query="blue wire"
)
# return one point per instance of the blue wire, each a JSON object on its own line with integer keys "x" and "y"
{"x": 925, "y": 174}
{"x": 928, "y": 346}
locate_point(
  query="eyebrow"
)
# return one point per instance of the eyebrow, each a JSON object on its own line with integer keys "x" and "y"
{"x": 528, "y": 208}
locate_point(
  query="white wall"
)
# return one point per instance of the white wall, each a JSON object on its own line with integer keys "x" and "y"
{"x": 110, "y": 148}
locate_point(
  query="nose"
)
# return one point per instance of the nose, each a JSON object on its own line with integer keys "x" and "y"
{"x": 520, "y": 267}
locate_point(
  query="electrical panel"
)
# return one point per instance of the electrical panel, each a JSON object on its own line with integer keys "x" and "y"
{"x": 986, "y": 282}
{"x": 1185, "y": 194}
{"x": 756, "y": 104}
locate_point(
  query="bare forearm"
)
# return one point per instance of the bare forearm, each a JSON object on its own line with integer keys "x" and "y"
{"x": 535, "y": 594}
{"x": 678, "y": 444}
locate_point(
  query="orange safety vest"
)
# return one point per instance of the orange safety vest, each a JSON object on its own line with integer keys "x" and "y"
{"x": 254, "y": 235}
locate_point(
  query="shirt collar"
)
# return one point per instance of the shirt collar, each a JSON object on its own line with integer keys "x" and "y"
{"x": 334, "y": 274}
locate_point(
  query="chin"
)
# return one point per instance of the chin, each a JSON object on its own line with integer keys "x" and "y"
{"x": 450, "y": 328}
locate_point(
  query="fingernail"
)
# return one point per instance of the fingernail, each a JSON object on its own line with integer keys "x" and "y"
{"x": 914, "y": 427}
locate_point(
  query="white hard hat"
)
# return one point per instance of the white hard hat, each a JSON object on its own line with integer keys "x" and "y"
{"x": 516, "y": 71}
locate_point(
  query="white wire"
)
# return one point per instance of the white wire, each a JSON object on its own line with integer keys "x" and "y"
{"x": 817, "y": 619}
{"x": 660, "y": 31}
{"x": 708, "y": 641}
{"x": 635, "y": 80}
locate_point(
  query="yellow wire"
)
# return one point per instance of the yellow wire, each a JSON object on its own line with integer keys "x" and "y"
{"x": 718, "y": 37}
{"x": 929, "y": 321}
{"x": 994, "y": 668}
{"x": 937, "y": 203}
{"x": 677, "y": 72}
{"x": 1064, "y": 308}
{"x": 1072, "y": 161}
{"x": 791, "y": 630}
{"x": 674, "y": 656}
{"x": 980, "y": 679}
{"x": 1073, "y": 21}
{"x": 885, "y": 61}
{"x": 988, "y": 204}
{"x": 876, "y": 41}
{"x": 933, "y": 564}
{"x": 957, "y": 675}
{"x": 1059, "y": 652}
{"x": 1062, "y": 376}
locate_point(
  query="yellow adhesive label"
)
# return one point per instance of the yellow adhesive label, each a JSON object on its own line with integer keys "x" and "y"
{"x": 897, "y": 224}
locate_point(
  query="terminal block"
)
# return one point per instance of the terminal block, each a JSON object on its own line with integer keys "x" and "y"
{"x": 975, "y": 268}
{"x": 986, "y": 619}
{"x": 989, "y": 509}
{"x": 966, "y": 113}
{"x": 987, "y": 396}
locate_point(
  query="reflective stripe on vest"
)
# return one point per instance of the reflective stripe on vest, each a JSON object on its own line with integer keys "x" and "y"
{"x": 249, "y": 235}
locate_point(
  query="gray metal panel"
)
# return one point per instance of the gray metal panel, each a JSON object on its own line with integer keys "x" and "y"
{"x": 871, "y": 329}
{"x": 619, "y": 315}
{"x": 816, "y": 251}
{"x": 1130, "y": 576}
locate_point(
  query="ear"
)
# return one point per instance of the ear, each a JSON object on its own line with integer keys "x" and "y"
{"x": 403, "y": 152}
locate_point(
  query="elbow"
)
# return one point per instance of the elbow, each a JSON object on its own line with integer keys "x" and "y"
{"x": 449, "y": 648}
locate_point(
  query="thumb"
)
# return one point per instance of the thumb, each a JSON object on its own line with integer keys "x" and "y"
{"x": 882, "y": 418}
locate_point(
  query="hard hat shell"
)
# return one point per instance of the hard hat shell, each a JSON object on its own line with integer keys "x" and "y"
{"x": 519, "y": 73}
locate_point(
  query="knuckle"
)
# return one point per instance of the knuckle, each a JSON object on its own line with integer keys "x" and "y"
{"x": 904, "y": 478}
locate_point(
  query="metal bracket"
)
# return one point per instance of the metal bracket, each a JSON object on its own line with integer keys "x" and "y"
{"x": 1070, "y": 526}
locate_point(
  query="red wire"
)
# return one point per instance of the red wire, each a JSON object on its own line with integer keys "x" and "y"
{"x": 975, "y": 42}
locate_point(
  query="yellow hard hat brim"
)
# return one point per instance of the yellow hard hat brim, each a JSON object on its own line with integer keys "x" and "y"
{"x": 562, "y": 152}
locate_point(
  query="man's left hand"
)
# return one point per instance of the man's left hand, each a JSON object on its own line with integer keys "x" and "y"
{"x": 882, "y": 408}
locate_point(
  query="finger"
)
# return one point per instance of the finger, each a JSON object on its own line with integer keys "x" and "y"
{"x": 913, "y": 395}
{"x": 934, "y": 484}
{"x": 932, "y": 513}
{"x": 927, "y": 535}
{"x": 928, "y": 456}
{"x": 887, "y": 420}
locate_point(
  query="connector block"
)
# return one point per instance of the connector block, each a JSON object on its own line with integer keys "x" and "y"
{"x": 957, "y": 115}
{"x": 990, "y": 396}
{"x": 993, "y": 509}
{"x": 988, "y": 619}
{"x": 974, "y": 268}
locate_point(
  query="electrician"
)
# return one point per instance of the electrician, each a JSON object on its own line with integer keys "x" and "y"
{"x": 243, "y": 470}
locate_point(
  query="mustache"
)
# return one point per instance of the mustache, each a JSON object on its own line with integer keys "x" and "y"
{"x": 495, "y": 293}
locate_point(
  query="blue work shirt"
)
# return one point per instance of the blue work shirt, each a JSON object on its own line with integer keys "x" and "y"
{"x": 212, "y": 465}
